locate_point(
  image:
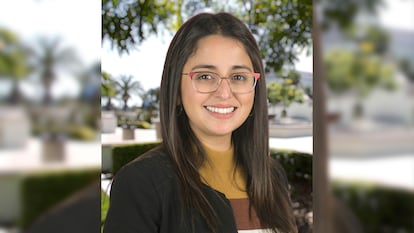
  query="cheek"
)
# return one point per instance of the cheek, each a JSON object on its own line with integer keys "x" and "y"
{"x": 249, "y": 101}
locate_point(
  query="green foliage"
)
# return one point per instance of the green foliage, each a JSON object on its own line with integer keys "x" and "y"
{"x": 376, "y": 36}
{"x": 134, "y": 124}
{"x": 298, "y": 165}
{"x": 143, "y": 125}
{"x": 77, "y": 132}
{"x": 376, "y": 206}
{"x": 406, "y": 67}
{"x": 123, "y": 154}
{"x": 13, "y": 56}
{"x": 128, "y": 23}
{"x": 108, "y": 89}
{"x": 343, "y": 13}
{"x": 13, "y": 62}
{"x": 83, "y": 133}
{"x": 282, "y": 27}
{"x": 348, "y": 70}
{"x": 150, "y": 103}
{"x": 285, "y": 93}
{"x": 104, "y": 207}
{"x": 107, "y": 85}
{"x": 42, "y": 191}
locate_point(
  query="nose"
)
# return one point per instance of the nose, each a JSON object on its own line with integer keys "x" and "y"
{"x": 224, "y": 89}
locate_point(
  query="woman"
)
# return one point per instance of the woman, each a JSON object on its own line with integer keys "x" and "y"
{"x": 213, "y": 171}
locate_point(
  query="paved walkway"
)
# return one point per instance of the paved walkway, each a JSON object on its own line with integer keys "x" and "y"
{"x": 78, "y": 154}
{"x": 394, "y": 170}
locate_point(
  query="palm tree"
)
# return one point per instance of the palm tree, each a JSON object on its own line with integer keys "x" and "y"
{"x": 150, "y": 103}
{"x": 127, "y": 85}
{"x": 90, "y": 83}
{"x": 108, "y": 89}
{"x": 50, "y": 57}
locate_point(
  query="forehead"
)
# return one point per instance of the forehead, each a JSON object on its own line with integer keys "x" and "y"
{"x": 219, "y": 51}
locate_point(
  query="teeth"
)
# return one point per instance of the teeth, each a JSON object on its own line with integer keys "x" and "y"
{"x": 220, "y": 110}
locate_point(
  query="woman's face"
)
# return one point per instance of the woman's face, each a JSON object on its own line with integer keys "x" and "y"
{"x": 221, "y": 112}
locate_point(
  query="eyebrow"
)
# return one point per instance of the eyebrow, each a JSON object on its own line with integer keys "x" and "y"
{"x": 212, "y": 67}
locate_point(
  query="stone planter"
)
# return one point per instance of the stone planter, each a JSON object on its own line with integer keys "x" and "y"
{"x": 128, "y": 133}
{"x": 14, "y": 127}
{"x": 53, "y": 148}
{"x": 108, "y": 122}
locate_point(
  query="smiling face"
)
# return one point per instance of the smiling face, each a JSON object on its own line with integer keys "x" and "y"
{"x": 214, "y": 116}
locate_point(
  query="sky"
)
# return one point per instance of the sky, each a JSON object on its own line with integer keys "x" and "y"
{"x": 76, "y": 22}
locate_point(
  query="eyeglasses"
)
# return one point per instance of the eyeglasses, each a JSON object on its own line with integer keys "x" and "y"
{"x": 208, "y": 82}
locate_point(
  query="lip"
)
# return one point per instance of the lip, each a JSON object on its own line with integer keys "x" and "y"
{"x": 222, "y": 112}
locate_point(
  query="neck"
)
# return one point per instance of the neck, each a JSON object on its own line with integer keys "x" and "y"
{"x": 217, "y": 144}
{"x": 220, "y": 160}
{"x": 219, "y": 171}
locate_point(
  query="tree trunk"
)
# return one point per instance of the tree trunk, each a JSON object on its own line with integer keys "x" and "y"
{"x": 322, "y": 196}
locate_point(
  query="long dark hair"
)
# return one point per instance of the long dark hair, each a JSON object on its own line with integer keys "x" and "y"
{"x": 267, "y": 192}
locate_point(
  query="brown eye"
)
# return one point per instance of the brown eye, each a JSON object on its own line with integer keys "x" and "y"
{"x": 239, "y": 77}
{"x": 204, "y": 76}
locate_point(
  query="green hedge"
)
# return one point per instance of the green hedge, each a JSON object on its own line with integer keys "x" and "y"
{"x": 41, "y": 191}
{"x": 297, "y": 165}
{"x": 123, "y": 154}
{"x": 379, "y": 208}
{"x": 137, "y": 124}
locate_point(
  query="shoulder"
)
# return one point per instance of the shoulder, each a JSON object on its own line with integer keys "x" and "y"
{"x": 153, "y": 168}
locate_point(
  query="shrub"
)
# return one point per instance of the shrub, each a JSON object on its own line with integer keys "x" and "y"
{"x": 379, "y": 208}
{"x": 41, "y": 191}
{"x": 123, "y": 154}
{"x": 78, "y": 132}
{"x": 298, "y": 167}
{"x": 134, "y": 124}
{"x": 83, "y": 133}
{"x": 142, "y": 125}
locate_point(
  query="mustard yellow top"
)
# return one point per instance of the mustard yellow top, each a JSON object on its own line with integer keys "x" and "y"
{"x": 219, "y": 172}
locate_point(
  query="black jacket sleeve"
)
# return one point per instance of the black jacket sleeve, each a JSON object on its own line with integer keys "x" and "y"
{"x": 134, "y": 201}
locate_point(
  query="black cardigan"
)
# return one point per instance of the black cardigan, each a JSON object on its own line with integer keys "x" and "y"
{"x": 145, "y": 199}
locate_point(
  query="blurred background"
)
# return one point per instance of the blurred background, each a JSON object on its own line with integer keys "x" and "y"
{"x": 50, "y": 152}
{"x": 365, "y": 69}
{"x": 353, "y": 111}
